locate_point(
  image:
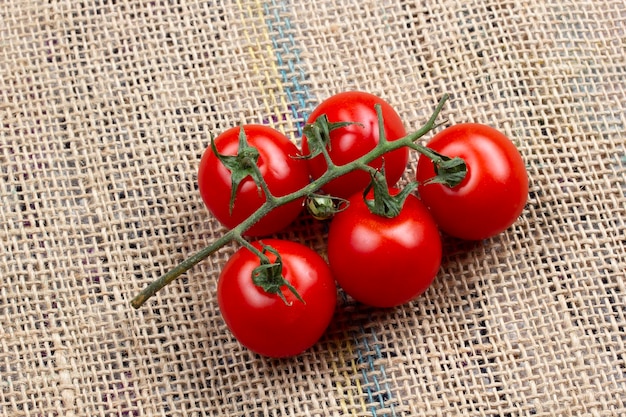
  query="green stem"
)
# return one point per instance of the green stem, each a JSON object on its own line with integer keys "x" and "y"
{"x": 235, "y": 234}
{"x": 269, "y": 197}
{"x": 333, "y": 172}
{"x": 263, "y": 258}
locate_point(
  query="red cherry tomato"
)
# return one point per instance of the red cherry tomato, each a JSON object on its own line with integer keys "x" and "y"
{"x": 384, "y": 262}
{"x": 283, "y": 173}
{"x": 353, "y": 141}
{"x": 494, "y": 191}
{"x": 262, "y": 321}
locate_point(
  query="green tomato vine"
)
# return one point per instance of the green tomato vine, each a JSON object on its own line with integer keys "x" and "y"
{"x": 268, "y": 275}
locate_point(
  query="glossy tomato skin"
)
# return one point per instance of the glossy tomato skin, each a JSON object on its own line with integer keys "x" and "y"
{"x": 351, "y": 142}
{"x": 263, "y": 322}
{"x": 282, "y": 172}
{"x": 384, "y": 262}
{"x": 494, "y": 191}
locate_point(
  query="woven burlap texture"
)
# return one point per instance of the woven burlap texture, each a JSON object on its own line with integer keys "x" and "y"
{"x": 106, "y": 108}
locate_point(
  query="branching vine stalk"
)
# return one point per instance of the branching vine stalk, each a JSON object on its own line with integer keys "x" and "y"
{"x": 448, "y": 170}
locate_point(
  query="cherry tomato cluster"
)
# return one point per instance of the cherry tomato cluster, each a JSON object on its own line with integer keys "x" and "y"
{"x": 384, "y": 246}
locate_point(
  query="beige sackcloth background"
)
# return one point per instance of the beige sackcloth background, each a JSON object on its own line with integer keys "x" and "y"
{"x": 106, "y": 107}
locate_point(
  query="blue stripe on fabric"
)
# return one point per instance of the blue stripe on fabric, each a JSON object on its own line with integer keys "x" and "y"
{"x": 288, "y": 55}
{"x": 294, "y": 80}
{"x": 379, "y": 394}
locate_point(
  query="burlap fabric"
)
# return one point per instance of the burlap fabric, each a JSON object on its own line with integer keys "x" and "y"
{"x": 106, "y": 108}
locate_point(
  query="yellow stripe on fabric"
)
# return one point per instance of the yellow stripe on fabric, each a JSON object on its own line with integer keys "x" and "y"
{"x": 263, "y": 60}
{"x": 350, "y": 393}
{"x": 347, "y": 394}
{"x": 351, "y": 396}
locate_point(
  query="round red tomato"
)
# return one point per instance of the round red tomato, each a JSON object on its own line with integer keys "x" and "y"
{"x": 495, "y": 188}
{"x": 380, "y": 261}
{"x": 282, "y": 172}
{"x": 262, "y": 321}
{"x": 353, "y": 141}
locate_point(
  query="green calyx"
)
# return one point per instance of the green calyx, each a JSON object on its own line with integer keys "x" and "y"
{"x": 241, "y": 165}
{"x": 448, "y": 171}
{"x": 383, "y": 203}
{"x": 269, "y": 275}
{"x": 318, "y": 135}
